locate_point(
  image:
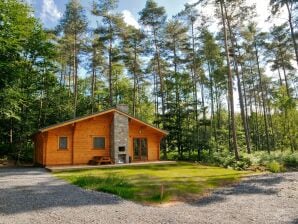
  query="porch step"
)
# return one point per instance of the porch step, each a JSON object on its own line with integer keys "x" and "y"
{"x": 90, "y": 167}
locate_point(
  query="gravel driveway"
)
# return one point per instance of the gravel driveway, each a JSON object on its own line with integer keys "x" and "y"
{"x": 34, "y": 196}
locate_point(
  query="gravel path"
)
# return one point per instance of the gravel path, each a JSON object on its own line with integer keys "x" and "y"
{"x": 35, "y": 196}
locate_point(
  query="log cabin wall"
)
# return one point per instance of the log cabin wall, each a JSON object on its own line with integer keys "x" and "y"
{"x": 80, "y": 141}
{"x": 85, "y": 131}
{"x": 137, "y": 130}
{"x": 54, "y": 155}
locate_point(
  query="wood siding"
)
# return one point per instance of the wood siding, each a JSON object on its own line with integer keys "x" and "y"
{"x": 54, "y": 155}
{"x": 80, "y": 141}
{"x": 137, "y": 130}
{"x": 83, "y": 138}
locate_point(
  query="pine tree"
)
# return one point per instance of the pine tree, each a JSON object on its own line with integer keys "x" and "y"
{"x": 109, "y": 31}
{"x": 276, "y": 6}
{"x": 133, "y": 49}
{"x": 176, "y": 43}
{"x": 72, "y": 27}
{"x": 153, "y": 17}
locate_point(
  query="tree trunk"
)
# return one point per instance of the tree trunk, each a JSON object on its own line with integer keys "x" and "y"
{"x": 213, "y": 125}
{"x": 161, "y": 87}
{"x": 292, "y": 31}
{"x": 230, "y": 84}
{"x": 263, "y": 98}
{"x": 93, "y": 80}
{"x": 195, "y": 92}
{"x": 243, "y": 117}
{"x": 286, "y": 79}
{"x": 110, "y": 74}
{"x": 245, "y": 103}
{"x": 134, "y": 82}
{"x": 75, "y": 74}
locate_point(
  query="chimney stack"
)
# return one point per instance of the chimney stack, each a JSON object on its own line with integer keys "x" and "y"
{"x": 122, "y": 107}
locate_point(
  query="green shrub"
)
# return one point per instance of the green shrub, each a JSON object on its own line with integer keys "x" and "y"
{"x": 291, "y": 160}
{"x": 226, "y": 159}
{"x": 275, "y": 167}
{"x": 242, "y": 164}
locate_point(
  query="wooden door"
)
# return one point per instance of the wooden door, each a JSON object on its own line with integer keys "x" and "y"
{"x": 140, "y": 149}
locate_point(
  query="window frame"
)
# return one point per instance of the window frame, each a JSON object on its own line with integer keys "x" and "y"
{"x": 63, "y": 149}
{"x": 93, "y": 145}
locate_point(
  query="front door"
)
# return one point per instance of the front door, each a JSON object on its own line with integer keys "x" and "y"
{"x": 140, "y": 149}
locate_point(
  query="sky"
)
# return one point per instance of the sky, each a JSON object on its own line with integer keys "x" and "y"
{"x": 50, "y": 11}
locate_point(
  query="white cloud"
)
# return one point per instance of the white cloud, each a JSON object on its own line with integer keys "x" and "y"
{"x": 262, "y": 10}
{"x": 130, "y": 19}
{"x": 49, "y": 11}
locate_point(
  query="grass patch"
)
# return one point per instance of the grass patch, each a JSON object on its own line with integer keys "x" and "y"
{"x": 275, "y": 167}
{"x": 154, "y": 183}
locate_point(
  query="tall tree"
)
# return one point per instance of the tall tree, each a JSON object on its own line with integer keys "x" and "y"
{"x": 291, "y": 5}
{"x": 176, "y": 43}
{"x": 133, "y": 50}
{"x": 230, "y": 82}
{"x": 73, "y": 26}
{"x": 214, "y": 62}
{"x": 280, "y": 54}
{"x": 109, "y": 30}
{"x": 190, "y": 15}
{"x": 153, "y": 17}
{"x": 235, "y": 17}
{"x": 27, "y": 80}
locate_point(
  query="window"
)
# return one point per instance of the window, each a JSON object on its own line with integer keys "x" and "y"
{"x": 98, "y": 142}
{"x": 63, "y": 143}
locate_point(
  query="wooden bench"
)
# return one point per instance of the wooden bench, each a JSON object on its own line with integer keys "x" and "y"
{"x": 99, "y": 160}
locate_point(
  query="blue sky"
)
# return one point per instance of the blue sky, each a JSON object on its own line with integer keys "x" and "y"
{"x": 50, "y": 11}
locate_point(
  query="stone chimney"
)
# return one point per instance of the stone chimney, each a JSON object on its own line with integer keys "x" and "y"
{"x": 119, "y": 136}
{"x": 122, "y": 107}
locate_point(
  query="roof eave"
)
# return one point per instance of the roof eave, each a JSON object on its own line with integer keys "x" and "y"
{"x": 98, "y": 114}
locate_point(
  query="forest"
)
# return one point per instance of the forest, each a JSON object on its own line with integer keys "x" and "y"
{"x": 226, "y": 95}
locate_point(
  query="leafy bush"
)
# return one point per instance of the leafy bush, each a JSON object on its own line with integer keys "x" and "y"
{"x": 275, "y": 167}
{"x": 226, "y": 159}
{"x": 285, "y": 158}
{"x": 257, "y": 160}
{"x": 291, "y": 160}
{"x": 242, "y": 164}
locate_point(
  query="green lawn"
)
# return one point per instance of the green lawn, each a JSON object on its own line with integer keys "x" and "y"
{"x": 154, "y": 183}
